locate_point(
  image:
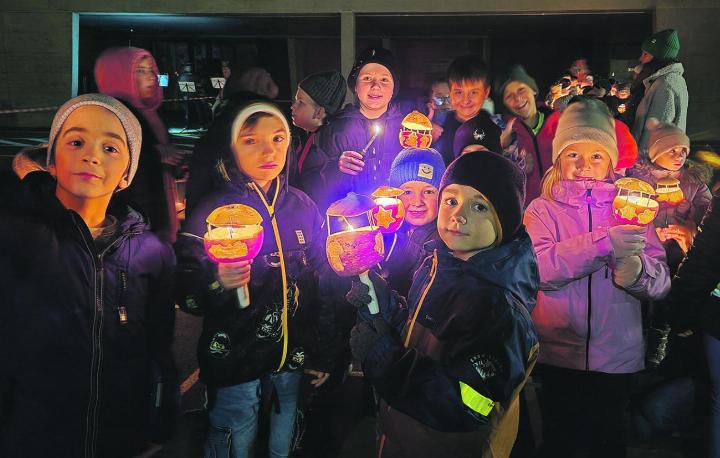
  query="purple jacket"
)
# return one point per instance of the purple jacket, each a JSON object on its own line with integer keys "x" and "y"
{"x": 584, "y": 320}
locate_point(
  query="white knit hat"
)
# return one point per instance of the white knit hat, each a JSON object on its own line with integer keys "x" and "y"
{"x": 251, "y": 109}
{"x": 662, "y": 137}
{"x": 130, "y": 124}
{"x": 583, "y": 121}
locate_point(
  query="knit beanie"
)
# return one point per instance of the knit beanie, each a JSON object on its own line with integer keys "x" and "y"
{"x": 513, "y": 73}
{"x": 663, "y": 137}
{"x": 586, "y": 120}
{"x": 130, "y": 124}
{"x": 327, "y": 89}
{"x": 415, "y": 164}
{"x": 662, "y": 45}
{"x": 499, "y": 179}
{"x": 480, "y": 130}
{"x": 251, "y": 109}
{"x": 378, "y": 56}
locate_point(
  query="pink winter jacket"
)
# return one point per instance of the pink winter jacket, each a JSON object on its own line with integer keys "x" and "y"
{"x": 584, "y": 320}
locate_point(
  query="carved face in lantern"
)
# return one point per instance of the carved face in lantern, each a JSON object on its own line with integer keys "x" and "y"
{"x": 416, "y": 131}
{"x": 634, "y": 203}
{"x": 389, "y": 211}
{"x": 234, "y": 233}
{"x": 354, "y": 244}
{"x": 668, "y": 191}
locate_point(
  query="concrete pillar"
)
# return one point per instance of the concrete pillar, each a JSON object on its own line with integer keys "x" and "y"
{"x": 347, "y": 46}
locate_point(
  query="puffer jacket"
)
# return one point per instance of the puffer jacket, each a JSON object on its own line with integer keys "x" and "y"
{"x": 350, "y": 130}
{"x": 76, "y": 379}
{"x": 469, "y": 345}
{"x": 584, "y": 320}
{"x": 666, "y": 99}
{"x": 239, "y": 345}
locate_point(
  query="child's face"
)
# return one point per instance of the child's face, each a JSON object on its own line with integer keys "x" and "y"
{"x": 466, "y": 220}
{"x": 519, "y": 98}
{"x": 91, "y": 155}
{"x": 584, "y": 161}
{"x": 261, "y": 149}
{"x": 145, "y": 78}
{"x": 673, "y": 159}
{"x": 421, "y": 202}
{"x": 374, "y": 87}
{"x": 306, "y": 114}
{"x": 440, "y": 90}
{"x": 467, "y": 97}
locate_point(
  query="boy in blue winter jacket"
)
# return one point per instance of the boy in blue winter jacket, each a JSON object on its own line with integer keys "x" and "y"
{"x": 449, "y": 368}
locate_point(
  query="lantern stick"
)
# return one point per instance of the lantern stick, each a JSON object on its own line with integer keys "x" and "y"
{"x": 373, "y": 306}
{"x": 243, "y": 295}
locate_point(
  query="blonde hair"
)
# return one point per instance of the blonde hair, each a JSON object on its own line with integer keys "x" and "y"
{"x": 553, "y": 176}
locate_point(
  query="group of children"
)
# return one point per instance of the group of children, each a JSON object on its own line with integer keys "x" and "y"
{"x": 492, "y": 272}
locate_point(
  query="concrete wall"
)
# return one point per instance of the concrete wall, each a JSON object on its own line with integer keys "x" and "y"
{"x": 36, "y": 42}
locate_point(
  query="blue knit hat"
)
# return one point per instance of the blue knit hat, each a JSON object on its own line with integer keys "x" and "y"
{"x": 415, "y": 164}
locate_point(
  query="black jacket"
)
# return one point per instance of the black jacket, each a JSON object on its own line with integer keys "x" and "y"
{"x": 239, "y": 345}
{"x": 75, "y": 380}
{"x": 407, "y": 255}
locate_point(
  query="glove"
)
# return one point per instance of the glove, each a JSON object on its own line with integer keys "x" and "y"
{"x": 627, "y": 240}
{"x": 359, "y": 294}
{"x": 657, "y": 345}
{"x": 364, "y": 336}
{"x": 627, "y": 271}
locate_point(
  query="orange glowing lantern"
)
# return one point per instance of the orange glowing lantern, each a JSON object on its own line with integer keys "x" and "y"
{"x": 234, "y": 233}
{"x": 354, "y": 244}
{"x": 416, "y": 131}
{"x": 634, "y": 203}
{"x": 669, "y": 192}
{"x": 389, "y": 211}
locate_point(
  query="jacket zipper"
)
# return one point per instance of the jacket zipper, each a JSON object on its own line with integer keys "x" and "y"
{"x": 589, "y": 307}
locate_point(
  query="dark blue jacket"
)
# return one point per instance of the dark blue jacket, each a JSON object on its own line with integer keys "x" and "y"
{"x": 407, "y": 254}
{"x": 239, "y": 345}
{"x": 74, "y": 379}
{"x": 474, "y": 329}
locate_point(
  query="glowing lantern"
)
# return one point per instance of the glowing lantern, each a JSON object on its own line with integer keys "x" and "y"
{"x": 416, "y": 131}
{"x": 668, "y": 191}
{"x": 389, "y": 211}
{"x": 634, "y": 203}
{"x": 354, "y": 245}
{"x": 234, "y": 234}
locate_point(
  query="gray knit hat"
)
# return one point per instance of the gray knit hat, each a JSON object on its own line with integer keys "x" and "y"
{"x": 327, "y": 89}
{"x": 510, "y": 74}
{"x": 662, "y": 137}
{"x": 130, "y": 124}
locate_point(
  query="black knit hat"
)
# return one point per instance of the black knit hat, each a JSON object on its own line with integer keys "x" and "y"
{"x": 510, "y": 74}
{"x": 499, "y": 179}
{"x": 327, "y": 89}
{"x": 480, "y": 130}
{"x": 378, "y": 56}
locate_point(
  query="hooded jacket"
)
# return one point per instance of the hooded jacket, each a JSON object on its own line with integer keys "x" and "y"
{"x": 239, "y": 345}
{"x": 75, "y": 378}
{"x": 153, "y": 189}
{"x": 584, "y": 320}
{"x": 350, "y": 130}
{"x": 408, "y": 254}
{"x": 470, "y": 345}
{"x": 666, "y": 99}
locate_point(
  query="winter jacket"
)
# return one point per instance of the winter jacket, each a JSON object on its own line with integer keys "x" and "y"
{"x": 238, "y": 345}
{"x": 407, "y": 255}
{"x": 687, "y": 213}
{"x": 86, "y": 333}
{"x": 666, "y": 99}
{"x": 469, "y": 345}
{"x": 584, "y": 320}
{"x": 350, "y": 130}
{"x": 693, "y": 307}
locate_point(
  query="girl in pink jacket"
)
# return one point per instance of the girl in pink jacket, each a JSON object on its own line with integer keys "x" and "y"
{"x": 593, "y": 275}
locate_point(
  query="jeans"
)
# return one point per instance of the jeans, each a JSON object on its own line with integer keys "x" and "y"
{"x": 234, "y": 417}
{"x": 712, "y": 352}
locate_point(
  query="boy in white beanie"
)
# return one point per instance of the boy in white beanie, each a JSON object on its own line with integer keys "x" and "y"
{"x": 87, "y": 320}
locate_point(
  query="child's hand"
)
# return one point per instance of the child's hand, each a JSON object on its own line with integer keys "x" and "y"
{"x": 437, "y": 131}
{"x": 627, "y": 271}
{"x": 233, "y": 275}
{"x": 684, "y": 236}
{"x": 506, "y": 137}
{"x": 319, "y": 377}
{"x": 627, "y": 240}
{"x": 351, "y": 163}
{"x": 359, "y": 294}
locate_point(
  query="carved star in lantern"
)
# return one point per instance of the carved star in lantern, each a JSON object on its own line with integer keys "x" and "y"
{"x": 628, "y": 212}
{"x": 646, "y": 217}
{"x": 384, "y": 218}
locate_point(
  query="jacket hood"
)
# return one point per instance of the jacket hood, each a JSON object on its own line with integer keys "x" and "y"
{"x": 511, "y": 266}
{"x": 115, "y": 76}
{"x": 676, "y": 68}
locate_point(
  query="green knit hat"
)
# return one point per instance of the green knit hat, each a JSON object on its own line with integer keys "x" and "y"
{"x": 663, "y": 45}
{"x": 513, "y": 73}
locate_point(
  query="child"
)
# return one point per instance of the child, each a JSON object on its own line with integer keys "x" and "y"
{"x": 87, "y": 319}
{"x": 271, "y": 340}
{"x": 593, "y": 274}
{"x": 318, "y": 96}
{"x": 418, "y": 173}
{"x": 449, "y": 382}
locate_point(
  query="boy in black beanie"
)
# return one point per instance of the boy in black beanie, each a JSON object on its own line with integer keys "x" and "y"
{"x": 449, "y": 376}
